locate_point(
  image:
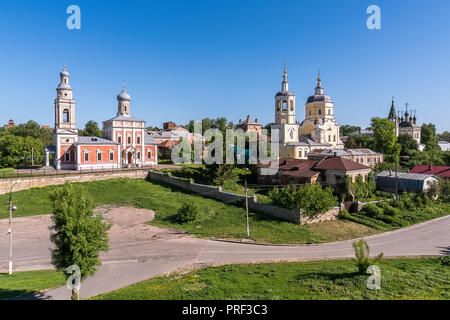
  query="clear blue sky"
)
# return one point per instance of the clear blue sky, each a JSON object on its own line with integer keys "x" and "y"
{"x": 192, "y": 59}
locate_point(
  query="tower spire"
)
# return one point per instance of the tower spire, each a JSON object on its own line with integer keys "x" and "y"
{"x": 284, "y": 84}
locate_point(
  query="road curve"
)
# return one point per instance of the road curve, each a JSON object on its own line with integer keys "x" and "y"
{"x": 160, "y": 251}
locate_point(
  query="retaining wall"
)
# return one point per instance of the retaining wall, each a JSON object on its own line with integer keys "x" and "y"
{"x": 44, "y": 181}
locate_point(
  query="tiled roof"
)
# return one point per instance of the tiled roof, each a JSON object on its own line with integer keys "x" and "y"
{"x": 339, "y": 163}
{"x": 441, "y": 171}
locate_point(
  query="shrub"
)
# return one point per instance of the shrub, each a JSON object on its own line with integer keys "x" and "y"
{"x": 391, "y": 211}
{"x": 312, "y": 199}
{"x": 188, "y": 212}
{"x": 362, "y": 252}
{"x": 372, "y": 210}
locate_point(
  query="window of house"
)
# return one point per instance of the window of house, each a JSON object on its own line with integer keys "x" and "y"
{"x": 128, "y": 139}
{"x": 320, "y": 111}
{"x": 149, "y": 154}
{"x": 86, "y": 157}
{"x": 119, "y": 139}
{"x": 138, "y": 139}
{"x": 334, "y": 138}
{"x": 111, "y": 155}
{"x": 67, "y": 155}
{"x": 329, "y": 138}
{"x": 139, "y": 155}
{"x": 99, "y": 155}
{"x": 66, "y": 116}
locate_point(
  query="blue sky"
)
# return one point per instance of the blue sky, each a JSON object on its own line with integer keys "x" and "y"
{"x": 186, "y": 60}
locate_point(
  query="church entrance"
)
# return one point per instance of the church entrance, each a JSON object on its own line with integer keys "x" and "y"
{"x": 130, "y": 157}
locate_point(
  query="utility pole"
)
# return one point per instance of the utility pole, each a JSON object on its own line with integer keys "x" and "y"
{"x": 11, "y": 209}
{"x": 32, "y": 156}
{"x": 246, "y": 206}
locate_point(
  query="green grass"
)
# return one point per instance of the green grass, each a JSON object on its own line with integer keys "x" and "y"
{"x": 418, "y": 278}
{"x": 215, "y": 219}
{"x": 28, "y": 282}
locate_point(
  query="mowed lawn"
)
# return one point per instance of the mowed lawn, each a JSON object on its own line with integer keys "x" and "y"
{"x": 215, "y": 219}
{"x": 28, "y": 282}
{"x": 408, "y": 278}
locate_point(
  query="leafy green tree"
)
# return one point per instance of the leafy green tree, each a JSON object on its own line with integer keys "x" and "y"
{"x": 78, "y": 235}
{"x": 385, "y": 138}
{"x": 91, "y": 129}
{"x": 428, "y": 135}
{"x": 32, "y": 129}
{"x": 188, "y": 212}
{"x": 445, "y": 136}
{"x": 431, "y": 156}
{"x": 312, "y": 199}
{"x": 408, "y": 144}
{"x": 17, "y": 151}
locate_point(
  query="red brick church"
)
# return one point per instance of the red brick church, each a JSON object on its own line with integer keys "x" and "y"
{"x": 124, "y": 143}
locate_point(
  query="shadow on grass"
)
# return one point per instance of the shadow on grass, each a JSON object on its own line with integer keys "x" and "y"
{"x": 7, "y": 294}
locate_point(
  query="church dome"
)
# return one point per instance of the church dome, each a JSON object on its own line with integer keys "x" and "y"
{"x": 320, "y": 98}
{"x": 123, "y": 96}
{"x": 64, "y": 72}
{"x": 285, "y": 93}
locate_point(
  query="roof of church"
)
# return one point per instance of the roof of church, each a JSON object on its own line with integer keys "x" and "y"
{"x": 407, "y": 124}
{"x": 285, "y": 93}
{"x": 94, "y": 140}
{"x": 125, "y": 118}
{"x": 319, "y": 98}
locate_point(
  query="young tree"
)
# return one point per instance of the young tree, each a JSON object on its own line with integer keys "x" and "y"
{"x": 92, "y": 130}
{"x": 385, "y": 138}
{"x": 78, "y": 235}
{"x": 428, "y": 134}
{"x": 408, "y": 144}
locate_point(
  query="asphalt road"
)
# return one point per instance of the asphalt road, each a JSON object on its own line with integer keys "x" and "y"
{"x": 139, "y": 252}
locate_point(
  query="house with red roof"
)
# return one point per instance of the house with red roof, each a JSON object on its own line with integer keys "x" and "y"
{"x": 439, "y": 171}
{"x": 327, "y": 171}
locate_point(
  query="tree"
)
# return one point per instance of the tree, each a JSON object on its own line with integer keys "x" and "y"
{"x": 445, "y": 136}
{"x": 16, "y": 151}
{"x": 432, "y": 155}
{"x": 91, "y": 129}
{"x": 385, "y": 140}
{"x": 408, "y": 144}
{"x": 312, "y": 199}
{"x": 428, "y": 134}
{"x": 78, "y": 235}
{"x": 362, "y": 253}
{"x": 347, "y": 130}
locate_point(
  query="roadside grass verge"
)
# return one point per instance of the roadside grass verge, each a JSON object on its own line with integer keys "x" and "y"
{"x": 401, "y": 279}
{"x": 28, "y": 282}
{"x": 215, "y": 218}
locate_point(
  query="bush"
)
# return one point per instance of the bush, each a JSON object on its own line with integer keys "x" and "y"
{"x": 362, "y": 252}
{"x": 312, "y": 199}
{"x": 188, "y": 212}
{"x": 372, "y": 210}
{"x": 391, "y": 211}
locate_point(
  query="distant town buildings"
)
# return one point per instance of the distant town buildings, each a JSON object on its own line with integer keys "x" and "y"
{"x": 248, "y": 125}
{"x": 10, "y": 124}
{"x": 124, "y": 142}
{"x": 367, "y": 157}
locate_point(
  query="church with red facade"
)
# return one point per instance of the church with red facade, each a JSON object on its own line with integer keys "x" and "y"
{"x": 125, "y": 142}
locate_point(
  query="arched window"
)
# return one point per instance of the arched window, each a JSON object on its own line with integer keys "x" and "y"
{"x": 66, "y": 116}
{"x": 334, "y": 138}
{"x": 119, "y": 138}
{"x": 138, "y": 139}
{"x": 285, "y": 106}
{"x": 320, "y": 111}
{"x": 86, "y": 156}
{"x": 291, "y": 133}
{"x": 128, "y": 139}
{"x": 149, "y": 153}
{"x": 111, "y": 155}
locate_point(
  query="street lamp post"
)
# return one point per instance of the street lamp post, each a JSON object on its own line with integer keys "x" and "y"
{"x": 11, "y": 209}
{"x": 246, "y": 205}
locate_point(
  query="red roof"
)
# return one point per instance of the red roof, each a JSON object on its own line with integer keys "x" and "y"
{"x": 339, "y": 163}
{"x": 440, "y": 171}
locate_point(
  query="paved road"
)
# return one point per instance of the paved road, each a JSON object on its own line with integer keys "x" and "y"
{"x": 139, "y": 251}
